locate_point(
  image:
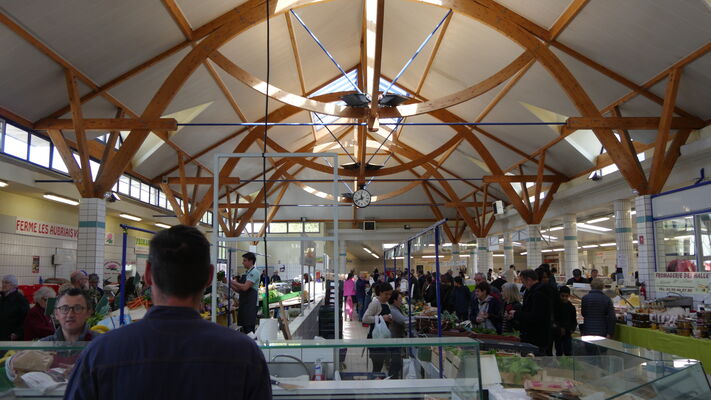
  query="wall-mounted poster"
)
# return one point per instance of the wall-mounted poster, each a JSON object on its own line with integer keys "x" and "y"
{"x": 109, "y": 238}
{"x": 35, "y": 264}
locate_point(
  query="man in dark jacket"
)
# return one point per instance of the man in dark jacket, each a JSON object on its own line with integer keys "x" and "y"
{"x": 13, "y": 309}
{"x": 360, "y": 287}
{"x": 577, "y": 278}
{"x": 486, "y": 311}
{"x": 598, "y": 311}
{"x": 462, "y": 298}
{"x": 536, "y": 314}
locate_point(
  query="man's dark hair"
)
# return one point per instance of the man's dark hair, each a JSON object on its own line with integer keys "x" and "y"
{"x": 545, "y": 266}
{"x": 180, "y": 261}
{"x": 564, "y": 290}
{"x": 512, "y": 266}
{"x": 76, "y": 292}
{"x": 394, "y": 296}
{"x": 529, "y": 273}
{"x": 543, "y": 272}
{"x": 458, "y": 279}
{"x": 250, "y": 256}
{"x": 577, "y": 272}
{"x": 484, "y": 287}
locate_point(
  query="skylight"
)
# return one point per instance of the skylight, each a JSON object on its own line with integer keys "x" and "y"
{"x": 339, "y": 85}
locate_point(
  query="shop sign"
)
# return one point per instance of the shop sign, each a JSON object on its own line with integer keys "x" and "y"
{"x": 45, "y": 229}
{"x": 683, "y": 282}
{"x": 142, "y": 245}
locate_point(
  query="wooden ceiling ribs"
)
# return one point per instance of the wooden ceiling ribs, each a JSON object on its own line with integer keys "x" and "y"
{"x": 79, "y": 133}
{"x": 566, "y": 18}
{"x": 665, "y": 125}
{"x": 105, "y": 124}
{"x": 435, "y": 50}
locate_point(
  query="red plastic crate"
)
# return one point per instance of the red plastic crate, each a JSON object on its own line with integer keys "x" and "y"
{"x": 29, "y": 290}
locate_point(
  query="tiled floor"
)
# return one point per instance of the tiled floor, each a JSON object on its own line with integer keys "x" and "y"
{"x": 356, "y": 358}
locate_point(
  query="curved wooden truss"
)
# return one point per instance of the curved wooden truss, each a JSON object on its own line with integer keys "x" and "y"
{"x": 533, "y": 39}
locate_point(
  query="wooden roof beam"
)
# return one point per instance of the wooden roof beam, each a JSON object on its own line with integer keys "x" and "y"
{"x": 632, "y": 123}
{"x": 665, "y": 126}
{"x": 104, "y": 124}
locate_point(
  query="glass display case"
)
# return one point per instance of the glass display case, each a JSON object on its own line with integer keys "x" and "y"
{"x": 422, "y": 368}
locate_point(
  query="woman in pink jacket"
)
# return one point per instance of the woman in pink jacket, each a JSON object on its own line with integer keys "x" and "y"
{"x": 348, "y": 296}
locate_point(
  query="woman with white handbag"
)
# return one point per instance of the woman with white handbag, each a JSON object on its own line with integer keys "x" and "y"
{"x": 378, "y": 316}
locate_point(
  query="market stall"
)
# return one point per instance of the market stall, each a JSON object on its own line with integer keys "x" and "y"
{"x": 442, "y": 368}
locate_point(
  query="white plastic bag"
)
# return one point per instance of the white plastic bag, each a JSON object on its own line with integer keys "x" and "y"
{"x": 410, "y": 370}
{"x": 381, "y": 330}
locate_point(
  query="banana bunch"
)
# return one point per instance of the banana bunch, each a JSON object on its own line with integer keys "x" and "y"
{"x": 100, "y": 328}
{"x": 7, "y": 355}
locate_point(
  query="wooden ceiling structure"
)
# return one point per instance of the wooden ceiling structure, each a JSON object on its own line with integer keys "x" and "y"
{"x": 453, "y": 171}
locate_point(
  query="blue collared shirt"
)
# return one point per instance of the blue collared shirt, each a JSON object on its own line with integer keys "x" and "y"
{"x": 171, "y": 353}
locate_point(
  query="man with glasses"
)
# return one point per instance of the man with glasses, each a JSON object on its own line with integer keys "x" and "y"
{"x": 72, "y": 309}
{"x": 172, "y": 353}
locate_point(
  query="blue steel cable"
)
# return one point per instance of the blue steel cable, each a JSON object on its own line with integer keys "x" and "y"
{"x": 334, "y": 137}
{"x": 318, "y": 42}
{"x": 386, "y": 139}
{"x": 417, "y": 52}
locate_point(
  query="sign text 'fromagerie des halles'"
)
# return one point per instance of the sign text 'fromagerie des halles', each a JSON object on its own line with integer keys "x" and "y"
{"x": 683, "y": 282}
{"x": 45, "y": 229}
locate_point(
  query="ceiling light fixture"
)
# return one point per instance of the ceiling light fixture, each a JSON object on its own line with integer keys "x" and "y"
{"x": 593, "y": 227}
{"x": 523, "y": 254}
{"x": 60, "y": 199}
{"x": 596, "y": 220}
{"x": 559, "y": 249}
{"x": 589, "y": 246}
{"x": 164, "y": 226}
{"x": 607, "y": 244}
{"x": 633, "y": 212}
{"x": 3, "y": 184}
{"x": 131, "y": 217}
{"x": 555, "y": 228}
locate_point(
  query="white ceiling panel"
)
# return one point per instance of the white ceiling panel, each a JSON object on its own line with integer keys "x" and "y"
{"x": 248, "y": 51}
{"x": 601, "y": 89}
{"x": 469, "y": 53}
{"x": 138, "y": 91}
{"x": 337, "y": 24}
{"x": 407, "y": 24}
{"x": 161, "y": 160}
{"x": 639, "y": 38}
{"x": 199, "y": 13}
{"x": 30, "y": 72}
{"x": 542, "y": 12}
{"x": 694, "y": 93}
{"x": 99, "y": 37}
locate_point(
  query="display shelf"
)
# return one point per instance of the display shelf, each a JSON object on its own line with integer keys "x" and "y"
{"x": 452, "y": 368}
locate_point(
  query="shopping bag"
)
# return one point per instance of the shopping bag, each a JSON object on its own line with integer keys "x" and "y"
{"x": 381, "y": 330}
{"x": 410, "y": 369}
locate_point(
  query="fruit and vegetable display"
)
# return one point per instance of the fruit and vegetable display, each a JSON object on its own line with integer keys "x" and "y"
{"x": 518, "y": 367}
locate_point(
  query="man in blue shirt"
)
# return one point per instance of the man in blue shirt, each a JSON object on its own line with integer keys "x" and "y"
{"x": 172, "y": 352}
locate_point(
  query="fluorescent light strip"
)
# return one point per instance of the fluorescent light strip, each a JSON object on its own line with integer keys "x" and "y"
{"x": 60, "y": 199}
{"x": 498, "y": 255}
{"x": 633, "y": 212}
{"x": 131, "y": 217}
{"x": 558, "y": 249}
{"x": 589, "y": 246}
{"x": 523, "y": 254}
{"x": 3, "y": 184}
{"x": 592, "y": 221}
{"x": 607, "y": 244}
{"x": 593, "y": 227}
{"x": 555, "y": 228}
{"x": 164, "y": 226}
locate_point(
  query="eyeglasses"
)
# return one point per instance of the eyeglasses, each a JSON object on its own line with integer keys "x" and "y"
{"x": 76, "y": 308}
